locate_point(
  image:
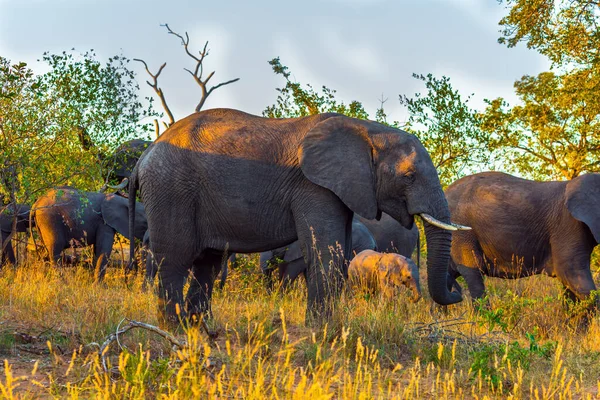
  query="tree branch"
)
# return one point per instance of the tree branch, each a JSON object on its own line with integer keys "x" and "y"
{"x": 199, "y": 68}
{"x": 157, "y": 90}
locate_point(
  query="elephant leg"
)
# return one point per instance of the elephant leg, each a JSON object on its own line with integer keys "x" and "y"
{"x": 573, "y": 270}
{"x": 55, "y": 249}
{"x": 332, "y": 230}
{"x": 8, "y": 254}
{"x": 474, "y": 279}
{"x": 151, "y": 267}
{"x": 268, "y": 264}
{"x": 289, "y": 271}
{"x": 105, "y": 237}
{"x": 205, "y": 271}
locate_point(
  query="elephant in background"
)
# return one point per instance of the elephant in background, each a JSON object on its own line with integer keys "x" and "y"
{"x": 290, "y": 262}
{"x": 7, "y": 218}
{"x": 124, "y": 158}
{"x": 248, "y": 184}
{"x": 523, "y": 228}
{"x": 68, "y": 217}
{"x": 391, "y": 236}
{"x": 117, "y": 165}
{"x": 385, "y": 272}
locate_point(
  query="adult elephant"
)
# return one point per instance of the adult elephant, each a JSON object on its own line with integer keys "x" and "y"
{"x": 223, "y": 179}
{"x": 391, "y": 236}
{"x": 523, "y": 228}
{"x": 289, "y": 260}
{"x": 20, "y": 213}
{"x": 67, "y": 217}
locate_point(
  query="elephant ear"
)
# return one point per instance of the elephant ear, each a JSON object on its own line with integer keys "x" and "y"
{"x": 115, "y": 212}
{"x": 338, "y": 154}
{"x": 582, "y": 198}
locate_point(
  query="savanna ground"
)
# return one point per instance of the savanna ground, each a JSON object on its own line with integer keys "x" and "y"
{"x": 524, "y": 346}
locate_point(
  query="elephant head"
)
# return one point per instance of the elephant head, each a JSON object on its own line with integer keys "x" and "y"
{"x": 115, "y": 211}
{"x": 396, "y": 270}
{"x": 582, "y": 199}
{"x": 21, "y": 212}
{"x": 373, "y": 168}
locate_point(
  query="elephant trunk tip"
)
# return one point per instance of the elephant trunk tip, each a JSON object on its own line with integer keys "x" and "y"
{"x": 446, "y": 300}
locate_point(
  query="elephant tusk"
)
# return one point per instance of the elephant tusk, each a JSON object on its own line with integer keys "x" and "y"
{"x": 120, "y": 186}
{"x": 442, "y": 225}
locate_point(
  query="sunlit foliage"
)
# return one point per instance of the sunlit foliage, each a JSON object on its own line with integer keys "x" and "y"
{"x": 56, "y": 127}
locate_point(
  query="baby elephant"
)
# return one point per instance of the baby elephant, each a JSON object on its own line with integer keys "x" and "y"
{"x": 385, "y": 272}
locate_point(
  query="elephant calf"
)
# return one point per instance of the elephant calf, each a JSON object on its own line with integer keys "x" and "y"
{"x": 65, "y": 216}
{"x": 289, "y": 260}
{"x": 385, "y": 272}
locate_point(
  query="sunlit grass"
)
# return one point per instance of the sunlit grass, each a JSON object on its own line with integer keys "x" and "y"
{"x": 524, "y": 346}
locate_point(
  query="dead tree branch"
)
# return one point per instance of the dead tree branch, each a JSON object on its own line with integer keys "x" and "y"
{"x": 130, "y": 325}
{"x": 199, "y": 69}
{"x": 158, "y": 91}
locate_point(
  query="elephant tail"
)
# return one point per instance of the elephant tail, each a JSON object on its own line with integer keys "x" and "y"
{"x": 133, "y": 186}
{"x": 225, "y": 270}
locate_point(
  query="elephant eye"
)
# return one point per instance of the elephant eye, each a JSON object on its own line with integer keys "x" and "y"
{"x": 409, "y": 177}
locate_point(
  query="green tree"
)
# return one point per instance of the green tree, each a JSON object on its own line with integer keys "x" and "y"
{"x": 448, "y": 128}
{"x": 54, "y": 126}
{"x": 566, "y": 31}
{"x": 555, "y": 131}
{"x": 295, "y": 100}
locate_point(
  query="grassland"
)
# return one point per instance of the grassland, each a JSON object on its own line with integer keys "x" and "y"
{"x": 524, "y": 346}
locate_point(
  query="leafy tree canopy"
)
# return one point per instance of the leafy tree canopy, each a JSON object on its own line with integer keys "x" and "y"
{"x": 54, "y": 126}
{"x": 448, "y": 128}
{"x": 566, "y": 31}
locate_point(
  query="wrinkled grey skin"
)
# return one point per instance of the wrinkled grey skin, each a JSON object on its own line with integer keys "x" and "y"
{"x": 6, "y": 227}
{"x": 223, "y": 179}
{"x": 523, "y": 228}
{"x": 289, "y": 260}
{"x": 391, "y": 236}
{"x": 152, "y": 265}
{"x": 67, "y": 217}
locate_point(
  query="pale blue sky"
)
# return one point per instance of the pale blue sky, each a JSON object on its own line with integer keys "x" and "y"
{"x": 362, "y": 48}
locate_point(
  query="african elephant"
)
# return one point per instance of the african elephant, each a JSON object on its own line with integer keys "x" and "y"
{"x": 391, "y": 236}
{"x": 289, "y": 260}
{"x": 385, "y": 272}
{"x": 224, "y": 179}
{"x": 124, "y": 158}
{"x": 523, "y": 228}
{"x": 7, "y": 219}
{"x": 67, "y": 217}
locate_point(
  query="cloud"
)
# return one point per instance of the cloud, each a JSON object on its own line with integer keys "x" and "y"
{"x": 359, "y": 55}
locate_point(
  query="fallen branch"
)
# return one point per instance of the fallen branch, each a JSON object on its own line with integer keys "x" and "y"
{"x": 130, "y": 325}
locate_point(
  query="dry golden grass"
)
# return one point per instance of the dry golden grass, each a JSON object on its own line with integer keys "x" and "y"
{"x": 524, "y": 347}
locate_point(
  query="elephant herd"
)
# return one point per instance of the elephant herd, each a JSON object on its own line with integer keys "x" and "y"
{"x": 308, "y": 192}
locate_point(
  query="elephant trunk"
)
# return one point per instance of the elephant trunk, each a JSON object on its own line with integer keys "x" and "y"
{"x": 438, "y": 258}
